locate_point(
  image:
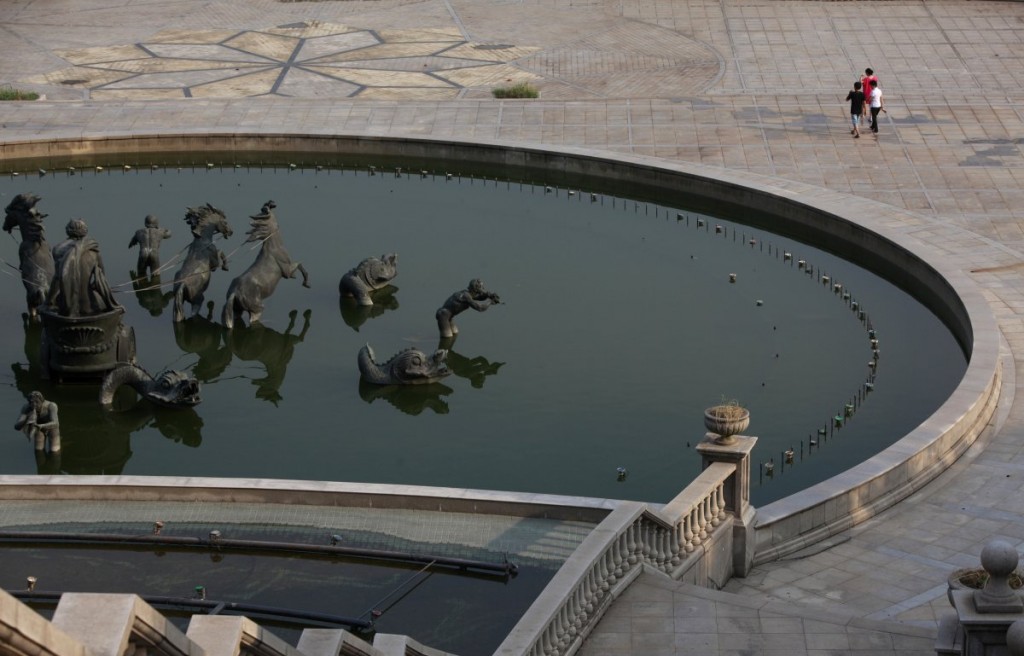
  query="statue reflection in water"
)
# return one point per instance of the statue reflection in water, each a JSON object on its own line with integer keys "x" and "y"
{"x": 355, "y": 315}
{"x": 99, "y": 441}
{"x": 272, "y": 349}
{"x": 410, "y": 399}
{"x": 150, "y": 294}
{"x": 131, "y": 413}
{"x": 28, "y": 374}
{"x": 475, "y": 370}
{"x": 217, "y": 347}
{"x": 203, "y": 337}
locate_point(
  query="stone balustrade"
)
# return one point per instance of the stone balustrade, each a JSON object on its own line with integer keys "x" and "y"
{"x": 677, "y": 539}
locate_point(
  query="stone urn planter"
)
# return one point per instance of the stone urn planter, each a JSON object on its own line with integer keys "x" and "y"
{"x": 726, "y": 421}
{"x": 974, "y": 578}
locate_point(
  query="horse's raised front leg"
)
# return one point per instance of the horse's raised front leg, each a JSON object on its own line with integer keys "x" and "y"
{"x": 305, "y": 275}
{"x": 223, "y": 260}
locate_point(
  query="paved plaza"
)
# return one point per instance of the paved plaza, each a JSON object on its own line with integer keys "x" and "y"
{"x": 749, "y": 85}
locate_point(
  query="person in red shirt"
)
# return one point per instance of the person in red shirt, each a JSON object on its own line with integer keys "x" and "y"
{"x": 865, "y": 85}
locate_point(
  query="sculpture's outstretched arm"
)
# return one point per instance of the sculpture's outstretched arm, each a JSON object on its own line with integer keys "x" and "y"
{"x": 26, "y": 418}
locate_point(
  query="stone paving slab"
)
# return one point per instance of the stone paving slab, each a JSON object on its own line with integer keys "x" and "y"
{"x": 657, "y": 616}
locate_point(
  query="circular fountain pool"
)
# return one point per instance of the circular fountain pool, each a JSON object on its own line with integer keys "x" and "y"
{"x": 619, "y": 326}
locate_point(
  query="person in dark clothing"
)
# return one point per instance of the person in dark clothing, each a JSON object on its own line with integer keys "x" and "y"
{"x": 856, "y": 98}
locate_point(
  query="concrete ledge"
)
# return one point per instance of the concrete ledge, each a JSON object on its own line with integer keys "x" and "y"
{"x": 391, "y": 644}
{"x": 24, "y": 631}
{"x": 863, "y": 491}
{"x": 221, "y": 635}
{"x": 302, "y": 493}
{"x": 333, "y": 642}
{"x": 116, "y": 624}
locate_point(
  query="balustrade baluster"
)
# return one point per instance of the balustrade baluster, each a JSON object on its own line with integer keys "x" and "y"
{"x": 656, "y": 551}
{"x": 647, "y": 551}
{"x": 580, "y": 603}
{"x": 677, "y": 543}
{"x": 713, "y": 509}
{"x": 548, "y": 640}
{"x": 651, "y": 540}
{"x": 664, "y": 547}
{"x": 619, "y": 547}
{"x": 591, "y": 586}
{"x": 563, "y": 630}
{"x": 720, "y": 491}
{"x": 632, "y": 548}
{"x": 605, "y": 575}
{"x": 570, "y": 619}
{"x": 579, "y": 613}
{"x": 689, "y": 534}
{"x": 702, "y": 523}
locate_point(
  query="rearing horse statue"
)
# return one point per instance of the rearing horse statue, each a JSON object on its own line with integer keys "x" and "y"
{"x": 247, "y": 291}
{"x": 202, "y": 259}
{"x": 36, "y": 258}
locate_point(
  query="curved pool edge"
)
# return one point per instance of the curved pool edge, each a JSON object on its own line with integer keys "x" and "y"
{"x": 377, "y": 496}
{"x": 862, "y": 229}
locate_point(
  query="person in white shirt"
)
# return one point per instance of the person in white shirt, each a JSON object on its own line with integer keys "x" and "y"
{"x": 877, "y": 104}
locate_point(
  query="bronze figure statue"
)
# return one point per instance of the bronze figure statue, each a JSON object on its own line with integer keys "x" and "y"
{"x": 39, "y": 421}
{"x": 83, "y": 332}
{"x": 148, "y": 240}
{"x": 79, "y": 287}
{"x": 474, "y": 296}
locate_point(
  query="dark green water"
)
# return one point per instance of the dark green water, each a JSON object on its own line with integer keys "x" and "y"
{"x": 619, "y": 327}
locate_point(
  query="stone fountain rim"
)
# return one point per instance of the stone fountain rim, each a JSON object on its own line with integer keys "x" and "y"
{"x": 860, "y": 222}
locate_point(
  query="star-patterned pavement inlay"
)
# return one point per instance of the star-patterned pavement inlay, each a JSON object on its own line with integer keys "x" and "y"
{"x": 306, "y": 59}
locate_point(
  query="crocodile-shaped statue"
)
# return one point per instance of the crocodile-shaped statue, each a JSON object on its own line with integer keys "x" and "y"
{"x": 410, "y": 366}
{"x": 170, "y": 388}
{"x": 369, "y": 275}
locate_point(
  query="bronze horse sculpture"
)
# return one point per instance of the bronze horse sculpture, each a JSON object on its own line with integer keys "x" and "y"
{"x": 248, "y": 291}
{"x": 202, "y": 259}
{"x": 36, "y": 258}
